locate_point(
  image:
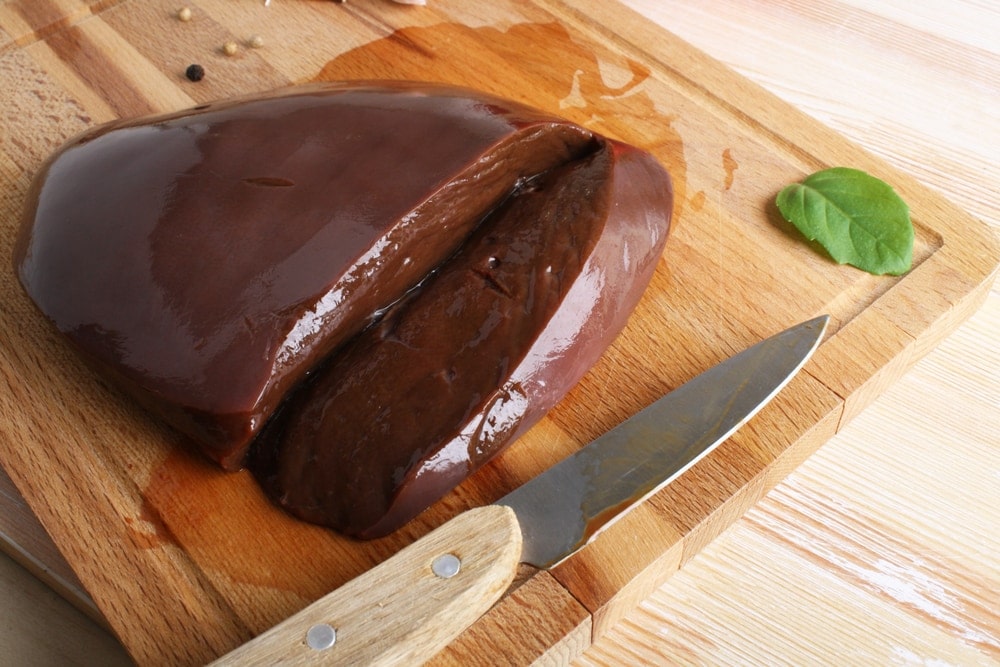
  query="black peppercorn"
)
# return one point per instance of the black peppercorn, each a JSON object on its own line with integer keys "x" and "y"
{"x": 195, "y": 72}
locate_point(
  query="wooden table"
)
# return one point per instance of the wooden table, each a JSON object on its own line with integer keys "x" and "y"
{"x": 883, "y": 548}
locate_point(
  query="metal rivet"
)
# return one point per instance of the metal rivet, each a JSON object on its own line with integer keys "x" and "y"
{"x": 321, "y": 637}
{"x": 446, "y": 566}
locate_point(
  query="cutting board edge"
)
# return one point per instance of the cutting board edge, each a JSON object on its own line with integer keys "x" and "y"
{"x": 948, "y": 330}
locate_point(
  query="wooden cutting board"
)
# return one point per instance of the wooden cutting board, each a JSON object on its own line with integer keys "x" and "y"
{"x": 186, "y": 562}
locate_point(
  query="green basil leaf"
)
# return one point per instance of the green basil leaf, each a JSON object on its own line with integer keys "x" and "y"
{"x": 857, "y": 218}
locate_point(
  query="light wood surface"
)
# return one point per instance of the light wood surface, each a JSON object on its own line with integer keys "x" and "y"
{"x": 886, "y": 536}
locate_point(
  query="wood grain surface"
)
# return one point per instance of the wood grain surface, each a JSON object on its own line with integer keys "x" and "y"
{"x": 886, "y": 328}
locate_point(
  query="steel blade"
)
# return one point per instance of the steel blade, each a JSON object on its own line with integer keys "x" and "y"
{"x": 563, "y": 508}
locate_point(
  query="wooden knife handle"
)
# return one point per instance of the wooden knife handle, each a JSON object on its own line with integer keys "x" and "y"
{"x": 400, "y": 611}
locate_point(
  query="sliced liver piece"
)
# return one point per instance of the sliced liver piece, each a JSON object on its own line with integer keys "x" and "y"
{"x": 477, "y": 354}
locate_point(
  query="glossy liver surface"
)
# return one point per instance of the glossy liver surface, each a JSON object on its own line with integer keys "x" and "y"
{"x": 476, "y": 355}
{"x": 372, "y": 288}
{"x": 207, "y": 259}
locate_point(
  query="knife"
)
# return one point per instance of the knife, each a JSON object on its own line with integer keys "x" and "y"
{"x": 412, "y": 605}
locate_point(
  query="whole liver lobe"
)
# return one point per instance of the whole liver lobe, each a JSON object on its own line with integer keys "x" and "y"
{"x": 372, "y": 288}
{"x": 207, "y": 259}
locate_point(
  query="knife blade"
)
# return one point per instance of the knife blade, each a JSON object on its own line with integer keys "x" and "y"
{"x": 412, "y": 605}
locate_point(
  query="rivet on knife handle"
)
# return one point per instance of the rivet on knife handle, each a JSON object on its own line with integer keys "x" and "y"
{"x": 453, "y": 575}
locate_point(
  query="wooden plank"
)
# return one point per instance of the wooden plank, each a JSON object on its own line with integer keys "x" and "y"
{"x": 24, "y": 539}
{"x": 885, "y": 539}
{"x": 26, "y": 21}
{"x": 144, "y": 531}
